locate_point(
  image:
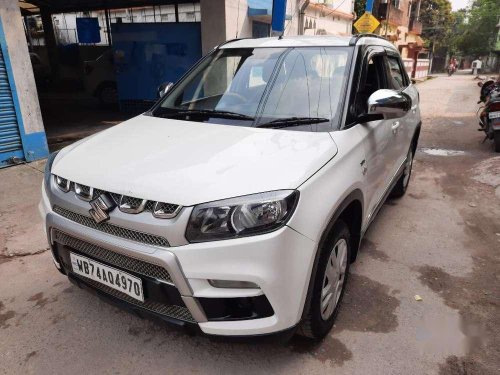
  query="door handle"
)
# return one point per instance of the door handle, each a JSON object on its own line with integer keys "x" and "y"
{"x": 395, "y": 126}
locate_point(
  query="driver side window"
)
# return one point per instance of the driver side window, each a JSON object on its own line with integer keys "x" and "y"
{"x": 373, "y": 78}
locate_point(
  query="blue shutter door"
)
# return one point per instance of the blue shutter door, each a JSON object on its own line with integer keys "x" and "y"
{"x": 10, "y": 139}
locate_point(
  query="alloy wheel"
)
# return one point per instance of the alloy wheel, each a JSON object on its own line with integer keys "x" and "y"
{"x": 333, "y": 281}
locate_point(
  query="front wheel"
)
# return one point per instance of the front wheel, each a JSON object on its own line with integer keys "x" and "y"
{"x": 496, "y": 138}
{"x": 329, "y": 283}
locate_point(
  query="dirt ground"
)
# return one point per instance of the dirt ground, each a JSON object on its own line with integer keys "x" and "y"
{"x": 441, "y": 242}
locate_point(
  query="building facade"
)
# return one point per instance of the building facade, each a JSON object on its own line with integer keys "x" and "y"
{"x": 46, "y": 33}
{"x": 329, "y": 18}
{"x": 400, "y": 24}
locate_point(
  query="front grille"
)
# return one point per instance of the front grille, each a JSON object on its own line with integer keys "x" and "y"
{"x": 132, "y": 205}
{"x": 115, "y": 259}
{"x": 172, "y": 209}
{"x": 166, "y": 209}
{"x": 85, "y": 189}
{"x": 112, "y": 229}
{"x": 172, "y": 311}
{"x": 131, "y": 201}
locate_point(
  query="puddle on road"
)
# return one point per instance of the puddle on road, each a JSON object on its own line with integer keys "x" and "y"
{"x": 440, "y": 334}
{"x": 441, "y": 152}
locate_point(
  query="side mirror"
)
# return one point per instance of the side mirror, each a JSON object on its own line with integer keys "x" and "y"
{"x": 163, "y": 88}
{"x": 413, "y": 81}
{"x": 480, "y": 83}
{"x": 388, "y": 103}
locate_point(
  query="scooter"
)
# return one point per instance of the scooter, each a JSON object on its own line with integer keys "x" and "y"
{"x": 489, "y": 113}
{"x": 451, "y": 69}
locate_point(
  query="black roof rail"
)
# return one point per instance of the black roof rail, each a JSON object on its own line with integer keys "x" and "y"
{"x": 229, "y": 41}
{"x": 357, "y": 37}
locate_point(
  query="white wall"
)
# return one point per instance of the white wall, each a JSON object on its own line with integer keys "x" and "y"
{"x": 238, "y": 25}
{"x": 24, "y": 80}
{"x": 336, "y": 20}
{"x": 222, "y": 20}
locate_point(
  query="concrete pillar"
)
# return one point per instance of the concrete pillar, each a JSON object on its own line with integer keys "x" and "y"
{"x": 223, "y": 20}
{"x": 213, "y": 24}
{"x": 30, "y": 123}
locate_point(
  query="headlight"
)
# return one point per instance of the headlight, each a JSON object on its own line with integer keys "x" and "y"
{"x": 242, "y": 216}
{"x": 48, "y": 168}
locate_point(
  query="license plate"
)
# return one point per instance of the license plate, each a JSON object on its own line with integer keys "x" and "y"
{"x": 494, "y": 115}
{"x": 111, "y": 277}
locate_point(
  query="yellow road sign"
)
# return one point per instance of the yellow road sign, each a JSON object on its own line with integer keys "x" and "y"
{"x": 367, "y": 23}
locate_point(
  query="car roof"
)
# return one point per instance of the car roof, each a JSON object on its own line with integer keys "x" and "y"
{"x": 307, "y": 41}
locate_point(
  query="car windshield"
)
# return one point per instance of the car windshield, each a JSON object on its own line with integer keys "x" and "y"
{"x": 268, "y": 87}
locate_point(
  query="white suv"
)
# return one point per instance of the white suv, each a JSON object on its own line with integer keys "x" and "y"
{"x": 237, "y": 203}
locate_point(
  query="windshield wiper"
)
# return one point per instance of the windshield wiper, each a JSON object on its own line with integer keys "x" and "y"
{"x": 207, "y": 112}
{"x": 292, "y": 121}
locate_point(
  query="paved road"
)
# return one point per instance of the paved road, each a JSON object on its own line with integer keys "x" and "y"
{"x": 441, "y": 241}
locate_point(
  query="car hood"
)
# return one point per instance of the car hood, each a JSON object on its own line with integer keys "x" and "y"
{"x": 188, "y": 163}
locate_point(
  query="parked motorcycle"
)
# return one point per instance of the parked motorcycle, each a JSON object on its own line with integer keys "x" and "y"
{"x": 489, "y": 113}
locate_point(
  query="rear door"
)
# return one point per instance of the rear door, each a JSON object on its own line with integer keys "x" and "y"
{"x": 402, "y": 128}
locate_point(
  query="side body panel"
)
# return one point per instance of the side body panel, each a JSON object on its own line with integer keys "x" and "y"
{"x": 378, "y": 146}
{"x": 322, "y": 193}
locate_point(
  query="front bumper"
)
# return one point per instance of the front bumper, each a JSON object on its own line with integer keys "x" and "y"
{"x": 279, "y": 263}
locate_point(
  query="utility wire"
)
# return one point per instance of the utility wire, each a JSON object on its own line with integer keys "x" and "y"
{"x": 238, "y": 19}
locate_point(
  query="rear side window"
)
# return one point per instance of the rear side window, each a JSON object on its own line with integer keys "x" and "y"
{"x": 397, "y": 79}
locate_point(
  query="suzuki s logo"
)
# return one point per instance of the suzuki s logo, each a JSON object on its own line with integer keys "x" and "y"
{"x": 101, "y": 206}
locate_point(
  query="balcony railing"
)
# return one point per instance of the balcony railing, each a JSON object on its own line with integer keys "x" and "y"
{"x": 415, "y": 26}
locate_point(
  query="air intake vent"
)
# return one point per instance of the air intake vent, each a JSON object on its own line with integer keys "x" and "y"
{"x": 112, "y": 229}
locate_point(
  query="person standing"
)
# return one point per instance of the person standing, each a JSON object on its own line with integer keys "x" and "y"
{"x": 477, "y": 64}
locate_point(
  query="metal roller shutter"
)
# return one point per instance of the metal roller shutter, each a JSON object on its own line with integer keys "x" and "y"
{"x": 10, "y": 139}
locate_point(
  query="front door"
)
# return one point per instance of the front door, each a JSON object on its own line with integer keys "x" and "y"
{"x": 377, "y": 134}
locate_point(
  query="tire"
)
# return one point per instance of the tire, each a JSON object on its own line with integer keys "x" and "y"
{"x": 400, "y": 188}
{"x": 496, "y": 138}
{"x": 108, "y": 95}
{"x": 319, "y": 320}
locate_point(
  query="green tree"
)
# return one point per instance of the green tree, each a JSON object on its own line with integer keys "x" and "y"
{"x": 456, "y": 30}
{"x": 477, "y": 33}
{"x": 437, "y": 20}
{"x": 359, "y": 7}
